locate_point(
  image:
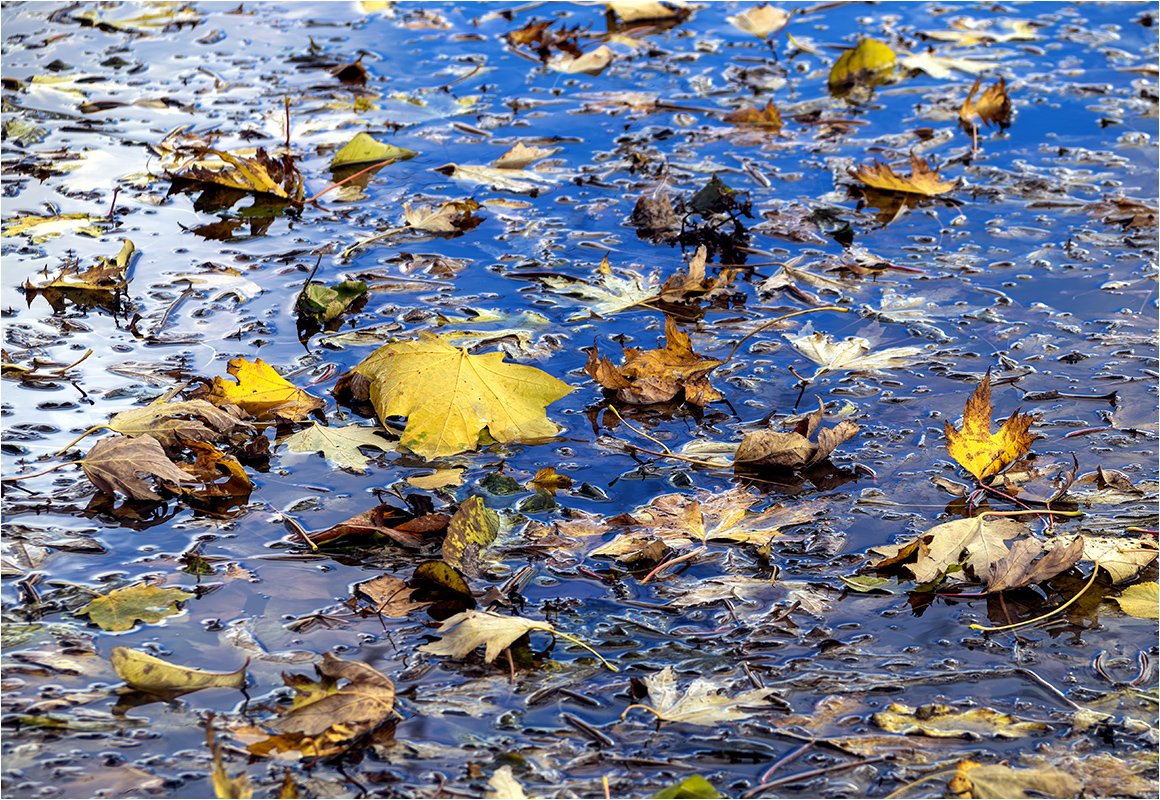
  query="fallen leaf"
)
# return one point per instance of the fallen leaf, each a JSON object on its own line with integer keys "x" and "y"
{"x": 513, "y": 180}
{"x": 993, "y": 107}
{"x": 975, "y": 448}
{"x": 120, "y": 609}
{"x": 144, "y": 18}
{"x": 694, "y": 285}
{"x": 852, "y": 354}
{"x": 365, "y": 149}
{"x": 1001, "y": 782}
{"x": 658, "y": 376}
{"x": 943, "y": 721}
{"x": 611, "y": 293}
{"x": 940, "y": 67}
{"x": 114, "y": 465}
{"x": 653, "y": 217}
{"x": 468, "y": 630}
{"x": 966, "y": 31}
{"x": 1019, "y": 567}
{"x": 340, "y": 446}
{"x": 923, "y": 179}
{"x": 438, "y": 479}
{"x": 794, "y": 450}
{"x": 768, "y": 117}
{"x": 455, "y": 401}
{"x": 262, "y": 392}
{"x": 637, "y": 10}
{"x": 1123, "y": 558}
{"x": 98, "y": 285}
{"x": 222, "y": 282}
{"x": 1140, "y": 600}
{"x": 937, "y": 549}
{"x": 223, "y": 481}
{"x": 866, "y": 66}
{"x": 40, "y": 229}
{"x": 323, "y": 303}
{"x": 225, "y": 787}
{"x": 504, "y": 785}
{"x": 522, "y": 156}
{"x": 191, "y": 419}
{"x": 385, "y": 520}
{"x": 391, "y": 596}
{"x": 1125, "y": 211}
{"x": 548, "y": 478}
{"x": 593, "y": 62}
{"x": 454, "y": 217}
{"x": 760, "y": 21}
{"x": 150, "y": 674}
{"x": 701, "y": 703}
{"x": 472, "y": 530}
{"x": 260, "y": 172}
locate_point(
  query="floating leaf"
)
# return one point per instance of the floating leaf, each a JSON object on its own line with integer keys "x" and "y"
{"x": 794, "y": 450}
{"x": 324, "y": 303}
{"x": 454, "y": 217}
{"x": 760, "y": 21}
{"x": 438, "y": 479}
{"x": 150, "y": 674}
{"x": 983, "y": 539}
{"x": 455, "y": 401}
{"x": 1000, "y": 782}
{"x": 693, "y": 787}
{"x": 260, "y": 172}
{"x": 1123, "y": 558}
{"x": 522, "y": 156}
{"x": 166, "y": 421}
{"x": 391, "y": 596}
{"x": 41, "y": 229}
{"x": 1141, "y": 600}
{"x": 262, "y": 392}
{"x": 468, "y": 630}
{"x": 512, "y": 180}
{"x": 923, "y": 180}
{"x": 942, "y": 721}
{"x": 504, "y": 785}
{"x": 695, "y": 285}
{"x": 658, "y": 376}
{"x": 225, "y": 787}
{"x": 981, "y": 453}
{"x": 114, "y": 466}
{"x": 222, "y": 282}
{"x": 385, "y": 520}
{"x": 548, "y": 479}
{"x": 593, "y": 62}
{"x": 768, "y": 117}
{"x": 98, "y": 285}
{"x": 611, "y": 293}
{"x": 1019, "y": 567}
{"x": 365, "y": 149}
{"x": 471, "y": 530}
{"x": 120, "y": 609}
{"x": 943, "y": 66}
{"x": 852, "y": 354}
{"x": 865, "y": 66}
{"x": 701, "y": 703}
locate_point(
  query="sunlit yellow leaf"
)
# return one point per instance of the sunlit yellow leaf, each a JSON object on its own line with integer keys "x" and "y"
{"x": 262, "y": 392}
{"x": 150, "y": 674}
{"x": 979, "y": 451}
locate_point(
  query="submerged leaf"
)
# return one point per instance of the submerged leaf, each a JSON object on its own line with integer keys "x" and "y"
{"x": 1000, "y": 782}
{"x": 471, "y": 531}
{"x": 942, "y": 721}
{"x": 1141, "y": 600}
{"x": 339, "y": 445}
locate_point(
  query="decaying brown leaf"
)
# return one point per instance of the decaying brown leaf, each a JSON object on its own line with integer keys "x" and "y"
{"x": 522, "y": 156}
{"x": 390, "y": 595}
{"x": 683, "y": 287}
{"x": 454, "y": 217}
{"x": 794, "y": 450}
{"x": 768, "y": 117}
{"x": 166, "y": 421}
{"x": 468, "y": 630}
{"x": 943, "y": 721}
{"x": 114, "y": 465}
{"x": 931, "y": 554}
{"x": 385, "y": 520}
{"x": 923, "y": 179}
{"x": 97, "y": 286}
{"x": 658, "y": 376}
{"x": 1001, "y": 782}
{"x": 1020, "y": 567}
{"x": 981, "y": 453}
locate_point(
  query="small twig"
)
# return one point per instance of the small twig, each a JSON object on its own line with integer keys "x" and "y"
{"x": 813, "y": 773}
{"x": 799, "y": 377}
{"x": 294, "y": 527}
{"x": 351, "y": 178}
{"x": 286, "y": 100}
{"x": 670, "y": 562}
{"x": 113, "y": 204}
{"x": 1052, "y": 613}
{"x": 664, "y": 447}
{"x": 43, "y": 472}
{"x": 1056, "y": 692}
{"x": 61, "y": 370}
{"x": 775, "y": 320}
{"x": 447, "y": 86}
{"x": 1086, "y": 431}
{"x": 781, "y": 762}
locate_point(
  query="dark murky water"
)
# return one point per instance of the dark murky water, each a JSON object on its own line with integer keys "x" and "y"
{"x": 1023, "y": 272}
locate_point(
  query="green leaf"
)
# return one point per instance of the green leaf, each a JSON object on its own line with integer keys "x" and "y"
{"x": 120, "y": 609}
{"x": 470, "y": 532}
{"x": 324, "y": 303}
{"x": 693, "y": 786}
{"x": 365, "y": 149}
{"x": 149, "y": 674}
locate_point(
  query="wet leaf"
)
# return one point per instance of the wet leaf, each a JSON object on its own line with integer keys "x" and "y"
{"x": 109, "y": 276}
{"x": 975, "y": 448}
{"x": 471, "y": 531}
{"x": 852, "y": 354}
{"x": 120, "y": 609}
{"x": 365, "y": 149}
{"x": 865, "y": 66}
{"x": 693, "y": 787}
{"x": 759, "y": 21}
{"x": 993, "y": 106}
{"x": 225, "y": 787}
{"x": 221, "y": 476}
{"x": 694, "y": 285}
{"x": 547, "y": 478}
{"x": 40, "y": 229}
{"x": 593, "y": 62}
{"x": 520, "y": 181}
{"x": 260, "y": 172}
{"x": 1123, "y": 558}
{"x": 725, "y": 516}
{"x": 1001, "y": 782}
{"x": 360, "y": 705}
{"x": 262, "y": 392}
{"x": 637, "y": 10}
{"x": 222, "y": 282}
{"x": 1019, "y": 567}
{"x": 468, "y": 630}
{"x": 455, "y": 401}
{"x": 701, "y": 703}
{"x": 150, "y": 674}
{"x": 324, "y": 303}
{"x": 115, "y": 464}
{"x": 940, "y": 67}
{"x": 942, "y": 721}
{"x": 923, "y": 179}
{"x": 522, "y": 156}
{"x": 794, "y": 450}
{"x": 166, "y": 421}
{"x": 941, "y": 547}
{"x": 1140, "y": 600}
{"x": 385, "y": 520}
{"x": 339, "y": 445}
{"x": 768, "y": 117}
{"x": 391, "y": 596}
{"x": 966, "y": 31}
{"x": 153, "y": 17}
{"x": 438, "y": 479}
{"x": 504, "y": 785}
{"x": 658, "y": 376}
{"x": 454, "y": 217}
{"x": 611, "y": 293}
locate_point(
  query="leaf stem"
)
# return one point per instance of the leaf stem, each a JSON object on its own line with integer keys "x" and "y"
{"x": 350, "y": 178}
{"x": 64, "y": 449}
{"x": 670, "y": 562}
{"x": 1053, "y": 612}
{"x": 42, "y": 472}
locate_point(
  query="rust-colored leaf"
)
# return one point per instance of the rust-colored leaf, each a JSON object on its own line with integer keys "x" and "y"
{"x": 923, "y": 179}
{"x": 993, "y": 106}
{"x": 768, "y": 117}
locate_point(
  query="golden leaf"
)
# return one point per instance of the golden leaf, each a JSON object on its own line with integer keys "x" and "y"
{"x": 262, "y": 392}
{"x": 768, "y": 117}
{"x": 923, "y": 178}
{"x": 868, "y": 65}
{"x": 149, "y": 674}
{"x": 981, "y": 453}
{"x": 992, "y": 107}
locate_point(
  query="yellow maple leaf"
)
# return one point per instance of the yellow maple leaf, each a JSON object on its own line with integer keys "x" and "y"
{"x": 451, "y": 397}
{"x": 980, "y": 452}
{"x": 262, "y": 392}
{"x": 923, "y": 178}
{"x": 993, "y": 106}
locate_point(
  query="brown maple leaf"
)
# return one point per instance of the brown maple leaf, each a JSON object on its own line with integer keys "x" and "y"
{"x": 658, "y": 376}
{"x": 993, "y": 107}
{"x": 114, "y": 465}
{"x": 768, "y": 117}
{"x": 924, "y": 179}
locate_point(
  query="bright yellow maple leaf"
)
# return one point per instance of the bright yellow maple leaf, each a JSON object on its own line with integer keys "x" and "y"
{"x": 980, "y": 452}
{"x": 262, "y": 392}
{"x": 451, "y": 397}
{"x": 923, "y": 179}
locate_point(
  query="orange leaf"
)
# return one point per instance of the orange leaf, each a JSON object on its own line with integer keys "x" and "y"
{"x": 262, "y": 392}
{"x": 923, "y": 178}
{"x": 768, "y": 117}
{"x": 992, "y": 107}
{"x": 980, "y": 452}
